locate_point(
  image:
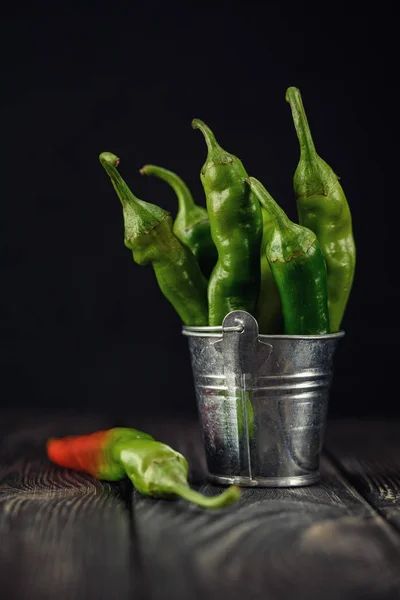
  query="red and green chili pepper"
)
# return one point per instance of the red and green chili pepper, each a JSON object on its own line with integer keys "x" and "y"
{"x": 154, "y": 468}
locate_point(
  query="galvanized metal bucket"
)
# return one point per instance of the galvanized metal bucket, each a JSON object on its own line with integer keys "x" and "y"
{"x": 262, "y": 401}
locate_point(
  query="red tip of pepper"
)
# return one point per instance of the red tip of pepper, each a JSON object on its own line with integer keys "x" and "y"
{"x": 79, "y": 452}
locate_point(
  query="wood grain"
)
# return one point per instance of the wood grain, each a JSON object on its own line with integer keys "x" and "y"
{"x": 320, "y": 541}
{"x": 67, "y": 536}
{"x": 368, "y": 454}
{"x": 63, "y": 535}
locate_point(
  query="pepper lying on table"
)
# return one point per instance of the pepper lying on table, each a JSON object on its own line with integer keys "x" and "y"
{"x": 154, "y": 468}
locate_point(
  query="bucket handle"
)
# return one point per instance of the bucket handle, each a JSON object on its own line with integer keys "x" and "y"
{"x": 243, "y": 352}
{"x": 243, "y": 355}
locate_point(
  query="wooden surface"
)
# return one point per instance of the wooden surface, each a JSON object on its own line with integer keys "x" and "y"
{"x": 64, "y": 535}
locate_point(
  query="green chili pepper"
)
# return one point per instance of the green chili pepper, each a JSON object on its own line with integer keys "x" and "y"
{"x": 236, "y": 228}
{"x": 323, "y": 208}
{"x": 191, "y": 226}
{"x": 148, "y": 233}
{"x": 299, "y": 270}
{"x": 154, "y": 468}
{"x": 241, "y": 420}
{"x": 269, "y": 308}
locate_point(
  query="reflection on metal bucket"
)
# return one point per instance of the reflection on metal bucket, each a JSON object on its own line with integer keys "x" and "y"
{"x": 262, "y": 401}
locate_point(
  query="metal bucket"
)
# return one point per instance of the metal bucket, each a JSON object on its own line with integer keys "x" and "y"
{"x": 262, "y": 401}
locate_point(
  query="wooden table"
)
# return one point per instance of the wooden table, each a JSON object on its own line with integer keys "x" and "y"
{"x": 64, "y": 535}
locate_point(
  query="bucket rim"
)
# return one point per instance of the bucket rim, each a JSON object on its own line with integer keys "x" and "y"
{"x": 216, "y": 331}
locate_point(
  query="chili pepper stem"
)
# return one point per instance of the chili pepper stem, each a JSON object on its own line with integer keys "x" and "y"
{"x": 228, "y": 497}
{"x": 140, "y": 217}
{"x": 209, "y": 137}
{"x": 185, "y": 198}
{"x": 108, "y": 158}
{"x": 307, "y": 147}
{"x": 279, "y": 217}
{"x": 298, "y": 239}
{"x": 186, "y": 204}
{"x": 110, "y": 162}
{"x": 191, "y": 225}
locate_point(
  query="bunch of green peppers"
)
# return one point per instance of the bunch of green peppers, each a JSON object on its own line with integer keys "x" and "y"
{"x": 242, "y": 252}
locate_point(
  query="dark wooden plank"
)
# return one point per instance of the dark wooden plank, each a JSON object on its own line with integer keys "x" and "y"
{"x": 368, "y": 453}
{"x": 320, "y": 541}
{"x": 63, "y": 534}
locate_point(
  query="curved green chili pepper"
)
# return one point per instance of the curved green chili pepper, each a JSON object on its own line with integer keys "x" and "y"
{"x": 148, "y": 233}
{"x": 236, "y": 228}
{"x": 269, "y": 308}
{"x": 298, "y": 266}
{"x": 323, "y": 208}
{"x": 154, "y": 468}
{"x": 191, "y": 226}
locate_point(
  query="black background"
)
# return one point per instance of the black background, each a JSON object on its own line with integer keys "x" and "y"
{"x": 82, "y": 326}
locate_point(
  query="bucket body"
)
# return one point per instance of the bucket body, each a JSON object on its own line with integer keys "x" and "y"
{"x": 262, "y": 401}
